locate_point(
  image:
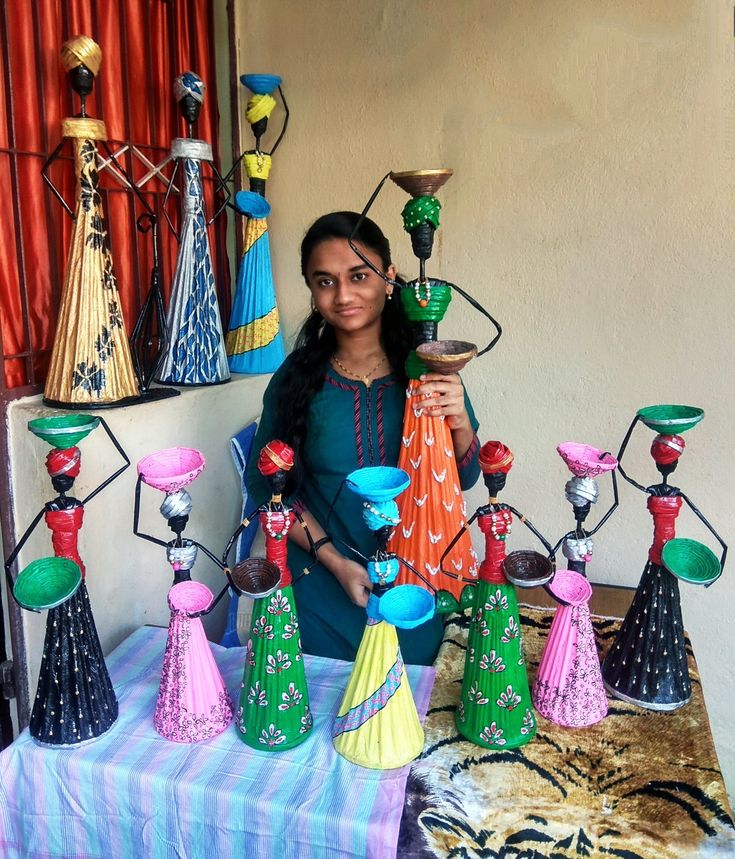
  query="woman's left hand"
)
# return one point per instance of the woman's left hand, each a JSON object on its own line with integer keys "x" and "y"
{"x": 443, "y": 395}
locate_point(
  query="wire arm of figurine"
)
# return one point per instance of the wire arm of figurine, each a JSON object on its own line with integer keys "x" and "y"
{"x": 214, "y": 602}
{"x": 698, "y": 513}
{"x": 531, "y": 527}
{"x": 128, "y": 178}
{"x": 16, "y": 551}
{"x": 222, "y": 189}
{"x": 623, "y": 446}
{"x": 285, "y": 123}
{"x": 47, "y": 179}
{"x": 612, "y": 508}
{"x": 410, "y": 566}
{"x": 455, "y": 539}
{"x": 246, "y": 523}
{"x": 165, "y": 201}
{"x": 476, "y": 304}
{"x": 136, "y": 519}
{"x": 351, "y": 240}
{"x": 114, "y": 475}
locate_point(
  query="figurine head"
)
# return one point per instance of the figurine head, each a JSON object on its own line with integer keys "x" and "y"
{"x": 189, "y": 92}
{"x": 496, "y": 460}
{"x": 63, "y": 466}
{"x": 81, "y": 57}
{"x": 666, "y": 450}
{"x": 275, "y": 461}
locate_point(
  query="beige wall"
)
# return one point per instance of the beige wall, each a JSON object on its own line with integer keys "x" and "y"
{"x": 591, "y": 211}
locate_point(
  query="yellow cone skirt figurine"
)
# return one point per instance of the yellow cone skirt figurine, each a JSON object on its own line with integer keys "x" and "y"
{"x": 377, "y": 725}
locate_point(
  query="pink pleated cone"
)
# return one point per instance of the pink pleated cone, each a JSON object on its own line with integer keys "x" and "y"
{"x": 568, "y": 689}
{"x": 192, "y": 703}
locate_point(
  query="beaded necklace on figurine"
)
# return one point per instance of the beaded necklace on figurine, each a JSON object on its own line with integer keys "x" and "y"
{"x": 269, "y": 514}
{"x": 504, "y": 519}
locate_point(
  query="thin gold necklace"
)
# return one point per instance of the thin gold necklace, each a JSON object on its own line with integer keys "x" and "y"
{"x": 362, "y": 377}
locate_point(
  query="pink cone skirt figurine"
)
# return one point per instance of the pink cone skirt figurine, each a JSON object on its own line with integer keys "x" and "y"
{"x": 192, "y": 703}
{"x": 568, "y": 689}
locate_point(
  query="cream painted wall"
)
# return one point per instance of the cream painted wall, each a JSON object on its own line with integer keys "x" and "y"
{"x": 591, "y": 211}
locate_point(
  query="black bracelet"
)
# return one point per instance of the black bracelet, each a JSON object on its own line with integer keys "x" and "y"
{"x": 319, "y": 543}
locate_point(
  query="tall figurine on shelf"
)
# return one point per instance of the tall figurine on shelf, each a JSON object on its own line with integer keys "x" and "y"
{"x": 433, "y": 509}
{"x": 192, "y": 703}
{"x": 195, "y": 353}
{"x": 568, "y": 688}
{"x": 91, "y": 363}
{"x": 75, "y": 701}
{"x": 254, "y": 340}
{"x": 274, "y": 712}
{"x": 647, "y": 663}
{"x": 377, "y": 724}
{"x": 495, "y": 703}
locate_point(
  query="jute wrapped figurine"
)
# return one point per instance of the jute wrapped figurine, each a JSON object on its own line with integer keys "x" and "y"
{"x": 647, "y": 663}
{"x": 75, "y": 701}
{"x": 433, "y": 509}
{"x": 91, "y": 362}
{"x": 377, "y": 724}
{"x": 274, "y": 713}
{"x": 495, "y": 703}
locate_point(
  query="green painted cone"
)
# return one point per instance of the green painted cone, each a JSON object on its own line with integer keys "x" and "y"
{"x": 446, "y": 603}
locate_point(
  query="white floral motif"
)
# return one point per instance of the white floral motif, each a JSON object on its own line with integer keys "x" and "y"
{"x": 256, "y": 695}
{"x": 460, "y": 711}
{"x": 279, "y": 604}
{"x": 434, "y": 538}
{"x": 271, "y": 736}
{"x": 509, "y": 699}
{"x": 291, "y": 628}
{"x": 474, "y": 694}
{"x": 441, "y": 476}
{"x": 290, "y": 698}
{"x": 528, "y": 722}
{"x": 511, "y": 631}
{"x": 415, "y": 462}
{"x": 262, "y": 628}
{"x": 492, "y": 662}
{"x": 493, "y": 734}
{"x": 448, "y": 507}
{"x": 307, "y": 721}
{"x": 407, "y": 531}
{"x": 420, "y": 501}
{"x": 278, "y": 663}
{"x": 497, "y": 601}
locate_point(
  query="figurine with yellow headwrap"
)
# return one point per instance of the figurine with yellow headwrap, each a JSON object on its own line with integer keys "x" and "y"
{"x": 254, "y": 341}
{"x": 195, "y": 354}
{"x": 91, "y": 363}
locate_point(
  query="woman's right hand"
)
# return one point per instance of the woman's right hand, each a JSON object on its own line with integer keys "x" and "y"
{"x": 354, "y": 580}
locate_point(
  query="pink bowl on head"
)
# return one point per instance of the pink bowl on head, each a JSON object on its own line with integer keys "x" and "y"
{"x": 583, "y": 460}
{"x": 570, "y": 587}
{"x": 189, "y": 597}
{"x": 172, "y": 468}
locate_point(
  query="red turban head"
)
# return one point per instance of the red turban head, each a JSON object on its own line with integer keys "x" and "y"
{"x": 66, "y": 461}
{"x": 667, "y": 449}
{"x": 275, "y": 456}
{"x": 495, "y": 456}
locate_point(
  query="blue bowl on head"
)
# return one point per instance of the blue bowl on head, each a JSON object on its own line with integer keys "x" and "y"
{"x": 379, "y": 483}
{"x": 261, "y": 84}
{"x": 251, "y": 204}
{"x": 406, "y": 606}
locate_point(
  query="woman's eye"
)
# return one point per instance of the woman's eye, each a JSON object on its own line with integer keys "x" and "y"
{"x": 359, "y": 275}
{"x": 324, "y": 282}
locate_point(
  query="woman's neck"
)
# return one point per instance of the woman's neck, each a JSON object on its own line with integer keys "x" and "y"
{"x": 359, "y": 348}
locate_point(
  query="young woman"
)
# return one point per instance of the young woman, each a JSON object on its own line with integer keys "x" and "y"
{"x": 338, "y": 401}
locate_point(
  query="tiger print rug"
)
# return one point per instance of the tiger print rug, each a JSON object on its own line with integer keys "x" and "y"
{"x": 637, "y": 785}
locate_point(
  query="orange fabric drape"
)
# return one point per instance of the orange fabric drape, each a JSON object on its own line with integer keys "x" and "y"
{"x": 145, "y": 44}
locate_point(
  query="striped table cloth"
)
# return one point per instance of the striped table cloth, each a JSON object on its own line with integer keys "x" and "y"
{"x": 133, "y": 794}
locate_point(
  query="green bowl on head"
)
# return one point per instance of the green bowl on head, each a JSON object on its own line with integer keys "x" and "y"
{"x": 670, "y": 420}
{"x": 47, "y": 582}
{"x": 691, "y": 561}
{"x": 63, "y": 430}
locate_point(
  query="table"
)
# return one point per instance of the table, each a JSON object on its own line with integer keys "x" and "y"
{"x": 133, "y": 794}
{"x": 638, "y": 785}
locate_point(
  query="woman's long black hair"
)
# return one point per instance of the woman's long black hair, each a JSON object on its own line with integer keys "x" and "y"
{"x": 316, "y": 341}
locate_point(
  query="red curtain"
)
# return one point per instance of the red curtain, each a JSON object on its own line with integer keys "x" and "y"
{"x": 145, "y": 44}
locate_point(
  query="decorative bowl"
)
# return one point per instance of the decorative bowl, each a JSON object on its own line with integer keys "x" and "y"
{"x": 527, "y": 569}
{"x": 446, "y": 356}
{"x": 261, "y": 84}
{"x": 47, "y": 582}
{"x": 63, "y": 431}
{"x": 583, "y": 460}
{"x": 378, "y": 483}
{"x": 406, "y": 606}
{"x": 255, "y": 578}
{"x": 691, "y": 561}
{"x": 570, "y": 588}
{"x": 421, "y": 183}
{"x": 172, "y": 468}
{"x": 671, "y": 420}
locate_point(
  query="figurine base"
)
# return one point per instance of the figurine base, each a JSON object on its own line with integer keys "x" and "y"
{"x": 149, "y": 396}
{"x": 665, "y": 707}
{"x": 191, "y": 384}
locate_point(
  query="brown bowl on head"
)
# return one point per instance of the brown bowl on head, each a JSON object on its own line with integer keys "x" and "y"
{"x": 446, "y": 356}
{"x": 527, "y": 569}
{"x": 255, "y": 578}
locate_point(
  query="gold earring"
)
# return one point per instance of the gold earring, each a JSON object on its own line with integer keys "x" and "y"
{"x": 390, "y": 296}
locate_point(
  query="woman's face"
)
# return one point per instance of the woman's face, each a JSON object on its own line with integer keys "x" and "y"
{"x": 347, "y": 293}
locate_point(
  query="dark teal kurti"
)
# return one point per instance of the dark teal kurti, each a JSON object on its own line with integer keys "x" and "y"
{"x": 350, "y": 426}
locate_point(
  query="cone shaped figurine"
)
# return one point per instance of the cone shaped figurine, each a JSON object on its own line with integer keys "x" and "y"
{"x": 568, "y": 688}
{"x": 273, "y": 713}
{"x": 91, "y": 362}
{"x": 495, "y": 702}
{"x": 377, "y": 725}
{"x": 254, "y": 340}
{"x": 192, "y": 703}
{"x": 647, "y": 663}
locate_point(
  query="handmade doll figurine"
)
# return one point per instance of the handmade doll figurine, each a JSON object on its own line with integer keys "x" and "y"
{"x": 495, "y": 703}
{"x": 195, "y": 354}
{"x": 274, "y": 713}
{"x": 568, "y": 687}
{"x": 192, "y": 703}
{"x": 647, "y": 663}
{"x": 377, "y": 724}
{"x": 75, "y": 701}
{"x": 254, "y": 341}
{"x": 91, "y": 362}
{"x": 433, "y": 509}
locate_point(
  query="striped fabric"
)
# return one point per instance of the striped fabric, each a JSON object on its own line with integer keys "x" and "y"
{"x": 133, "y": 794}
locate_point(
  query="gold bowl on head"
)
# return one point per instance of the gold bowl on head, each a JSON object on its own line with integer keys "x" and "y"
{"x": 446, "y": 356}
{"x": 421, "y": 183}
